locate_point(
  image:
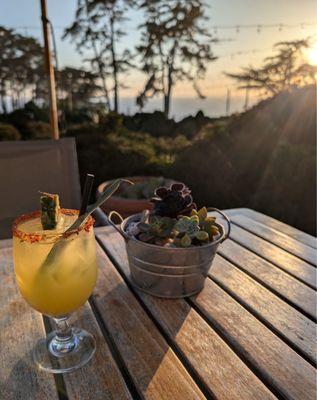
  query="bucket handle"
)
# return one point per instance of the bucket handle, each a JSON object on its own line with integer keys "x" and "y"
{"x": 226, "y": 218}
{"x": 119, "y": 230}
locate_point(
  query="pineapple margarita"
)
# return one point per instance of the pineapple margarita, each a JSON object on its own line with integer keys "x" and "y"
{"x": 56, "y": 272}
{"x": 59, "y": 289}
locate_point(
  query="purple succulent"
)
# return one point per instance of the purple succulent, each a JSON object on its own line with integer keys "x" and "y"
{"x": 173, "y": 201}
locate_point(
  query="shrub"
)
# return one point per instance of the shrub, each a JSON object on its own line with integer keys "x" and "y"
{"x": 9, "y": 132}
{"x": 83, "y": 129}
{"x": 36, "y": 130}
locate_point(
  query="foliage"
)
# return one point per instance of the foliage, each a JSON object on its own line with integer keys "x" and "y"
{"x": 77, "y": 86}
{"x": 98, "y": 27}
{"x": 173, "y": 201}
{"x": 280, "y": 71}
{"x": 170, "y": 223}
{"x": 207, "y": 224}
{"x": 175, "y": 46}
{"x": 9, "y": 132}
{"x": 21, "y": 68}
{"x": 157, "y": 230}
{"x": 185, "y": 231}
{"x": 28, "y": 120}
{"x": 287, "y": 191}
{"x": 123, "y": 153}
{"x": 188, "y": 232}
{"x": 264, "y": 159}
{"x": 36, "y": 130}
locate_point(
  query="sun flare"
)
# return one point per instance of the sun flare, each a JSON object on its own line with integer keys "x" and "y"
{"x": 312, "y": 54}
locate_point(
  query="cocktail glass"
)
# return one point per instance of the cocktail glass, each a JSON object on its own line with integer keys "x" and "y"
{"x": 59, "y": 288}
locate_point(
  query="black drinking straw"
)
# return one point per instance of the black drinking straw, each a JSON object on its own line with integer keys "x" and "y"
{"x": 86, "y": 193}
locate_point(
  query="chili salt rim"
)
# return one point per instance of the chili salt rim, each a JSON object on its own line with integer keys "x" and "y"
{"x": 36, "y": 236}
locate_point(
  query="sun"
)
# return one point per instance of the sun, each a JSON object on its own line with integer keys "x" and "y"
{"x": 312, "y": 54}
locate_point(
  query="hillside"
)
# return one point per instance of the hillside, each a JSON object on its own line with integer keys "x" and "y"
{"x": 263, "y": 159}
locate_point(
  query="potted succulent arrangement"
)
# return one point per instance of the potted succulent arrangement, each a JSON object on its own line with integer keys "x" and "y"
{"x": 170, "y": 248}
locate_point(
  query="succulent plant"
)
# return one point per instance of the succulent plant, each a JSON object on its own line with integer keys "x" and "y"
{"x": 158, "y": 230}
{"x": 206, "y": 223}
{"x": 175, "y": 221}
{"x": 188, "y": 232}
{"x": 173, "y": 201}
{"x": 187, "y": 225}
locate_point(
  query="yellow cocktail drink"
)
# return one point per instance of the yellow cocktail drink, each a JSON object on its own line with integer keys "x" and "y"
{"x": 67, "y": 283}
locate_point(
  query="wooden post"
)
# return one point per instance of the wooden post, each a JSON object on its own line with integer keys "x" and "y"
{"x": 228, "y": 102}
{"x": 246, "y": 100}
{"x": 50, "y": 73}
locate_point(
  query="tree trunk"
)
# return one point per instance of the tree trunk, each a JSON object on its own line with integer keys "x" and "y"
{"x": 102, "y": 75}
{"x": 168, "y": 94}
{"x": 114, "y": 67}
{"x": 100, "y": 66}
{"x": 2, "y": 99}
{"x": 70, "y": 98}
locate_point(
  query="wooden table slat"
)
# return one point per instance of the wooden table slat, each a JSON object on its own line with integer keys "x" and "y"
{"x": 284, "y": 260}
{"x": 207, "y": 353}
{"x": 287, "y": 243}
{"x": 153, "y": 366}
{"x": 289, "y": 288}
{"x": 275, "y": 224}
{"x": 20, "y": 328}
{"x": 100, "y": 379}
{"x": 290, "y": 374}
{"x": 290, "y": 323}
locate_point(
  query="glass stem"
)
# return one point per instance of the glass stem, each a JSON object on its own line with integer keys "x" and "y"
{"x": 64, "y": 340}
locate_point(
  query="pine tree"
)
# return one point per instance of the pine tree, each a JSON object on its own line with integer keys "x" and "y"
{"x": 175, "y": 46}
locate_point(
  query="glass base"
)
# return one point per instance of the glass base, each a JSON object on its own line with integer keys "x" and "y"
{"x": 58, "y": 356}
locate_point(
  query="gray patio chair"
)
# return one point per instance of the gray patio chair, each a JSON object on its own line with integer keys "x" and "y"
{"x": 29, "y": 166}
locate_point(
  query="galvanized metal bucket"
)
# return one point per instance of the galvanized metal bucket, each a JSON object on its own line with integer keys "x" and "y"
{"x": 166, "y": 271}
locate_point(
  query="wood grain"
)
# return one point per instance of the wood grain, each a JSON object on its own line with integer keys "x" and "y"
{"x": 100, "y": 379}
{"x": 20, "y": 328}
{"x": 153, "y": 366}
{"x": 284, "y": 260}
{"x": 272, "y": 277}
{"x": 287, "y": 243}
{"x": 288, "y": 322}
{"x": 209, "y": 356}
{"x": 275, "y": 224}
{"x": 291, "y": 375}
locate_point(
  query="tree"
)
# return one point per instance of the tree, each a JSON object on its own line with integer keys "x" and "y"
{"x": 175, "y": 46}
{"x": 77, "y": 86}
{"x": 98, "y": 26}
{"x": 279, "y": 72}
{"x": 20, "y": 67}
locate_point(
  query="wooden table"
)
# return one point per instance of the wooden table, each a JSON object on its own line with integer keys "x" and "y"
{"x": 250, "y": 334}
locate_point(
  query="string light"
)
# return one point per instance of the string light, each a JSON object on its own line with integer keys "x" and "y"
{"x": 216, "y": 28}
{"x": 260, "y": 27}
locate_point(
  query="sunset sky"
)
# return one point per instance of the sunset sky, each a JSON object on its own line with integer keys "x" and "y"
{"x": 25, "y": 16}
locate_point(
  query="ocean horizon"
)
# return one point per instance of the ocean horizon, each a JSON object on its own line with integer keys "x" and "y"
{"x": 182, "y": 107}
{"x": 213, "y": 106}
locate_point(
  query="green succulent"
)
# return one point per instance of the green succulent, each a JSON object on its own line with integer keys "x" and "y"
{"x": 187, "y": 225}
{"x": 158, "y": 230}
{"x": 206, "y": 223}
{"x": 188, "y": 232}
